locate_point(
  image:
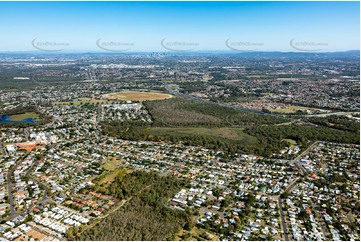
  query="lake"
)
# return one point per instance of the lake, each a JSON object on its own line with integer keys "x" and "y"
{"x": 7, "y": 119}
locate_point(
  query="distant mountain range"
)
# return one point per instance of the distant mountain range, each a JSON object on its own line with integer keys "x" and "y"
{"x": 350, "y": 53}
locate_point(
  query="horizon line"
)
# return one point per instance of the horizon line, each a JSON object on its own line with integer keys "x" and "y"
{"x": 167, "y": 51}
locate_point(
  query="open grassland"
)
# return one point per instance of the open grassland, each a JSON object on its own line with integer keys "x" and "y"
{"x": 231, "y": 134}
{"x": 112, "y": 163}
{"x": 292, "y": 142}
{"x": 109, "y": 177}
{"x": 137, "y": 96}
{"x": 22, "y": 116}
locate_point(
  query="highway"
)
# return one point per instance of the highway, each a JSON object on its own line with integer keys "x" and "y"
{"x": 175, "y": 93}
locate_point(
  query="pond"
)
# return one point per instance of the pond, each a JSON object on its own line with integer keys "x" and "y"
{"x": 9, "y": 119}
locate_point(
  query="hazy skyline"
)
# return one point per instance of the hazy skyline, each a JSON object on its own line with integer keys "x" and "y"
{"x": 183, "y": 26}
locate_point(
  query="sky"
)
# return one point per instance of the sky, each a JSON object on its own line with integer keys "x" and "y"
{"x": 179, "y": 26}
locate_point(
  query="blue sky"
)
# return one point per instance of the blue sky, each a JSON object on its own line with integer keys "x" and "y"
{"x": 200, "y": 25}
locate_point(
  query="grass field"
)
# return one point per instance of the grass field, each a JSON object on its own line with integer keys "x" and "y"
{"x": 234, "y": 134}
{"x": 109, "y": 178}
{"x": 197, "y": 234}
{"x": 112, "y": 163}
{"x": 19, "y": 117}
{"x": 292, "y": 142}
{"x": 137, "y": 96}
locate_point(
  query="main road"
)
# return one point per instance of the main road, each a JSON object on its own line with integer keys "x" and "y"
{"x": 9, "y": 175}
{"x": 283, "y": 221}
{"x": 298, "y": 158}
{"x": 2, "y": 148}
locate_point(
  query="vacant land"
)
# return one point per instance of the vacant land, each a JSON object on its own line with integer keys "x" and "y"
{"x": 292, "y": 142}
{"x": 137, "y": 96}
{"x": 235, "y": 134}
{"x": 22, "y": 116}
{"x": 196, "y": 234}
{"x": 177, "y": 112}
{"x": 112, "y": 163}
{"x": 108, "y": 178}
{"x": 292, "y": 109}
{"x": 195, "y": 123}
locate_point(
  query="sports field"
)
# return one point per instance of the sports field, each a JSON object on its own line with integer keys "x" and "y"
{"x": 137, "y": 96}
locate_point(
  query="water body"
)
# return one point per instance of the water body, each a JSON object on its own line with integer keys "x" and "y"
{"x": 7, "y": 119}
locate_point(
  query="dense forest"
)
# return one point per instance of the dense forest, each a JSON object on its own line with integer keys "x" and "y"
{"x": 272, "y": 135}
{"x": 336, "y": 122}
{"x": 182, "y": 112}
{"x": 269, "y": 137}
{"x": 142, "y": 131}
{"x": 145, "y": 215}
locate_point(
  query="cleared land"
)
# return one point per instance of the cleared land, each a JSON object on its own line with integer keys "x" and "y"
{"x": 22, "y": 116}
{"x": 234, "y": 134}
{"x": 293, "y": 109}
{"x": 137, "y": 96}
{"x": 292, "y": 142}
{"x": 109, "y": 177}
{"x": 196, "y": 234}
{"x": 112, "y": 163}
